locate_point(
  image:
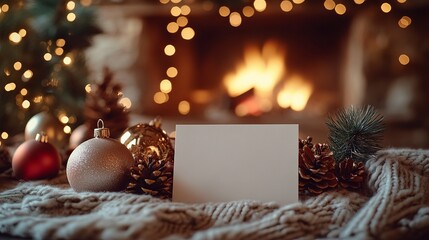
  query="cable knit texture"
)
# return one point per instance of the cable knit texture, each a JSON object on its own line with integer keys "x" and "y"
{"x": 396, "y": 206}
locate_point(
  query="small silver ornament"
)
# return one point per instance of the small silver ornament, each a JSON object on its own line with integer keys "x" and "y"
{"x": 99, "y": 164}
{"x": 48, "y": 123}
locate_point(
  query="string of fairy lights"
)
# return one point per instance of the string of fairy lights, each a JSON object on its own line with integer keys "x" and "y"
{"x": 54, "y": 50}
{"x": 180, "y": 9}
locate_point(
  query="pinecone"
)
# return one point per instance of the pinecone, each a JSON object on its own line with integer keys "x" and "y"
{"x": 102, "y": 102}
{"x": 351, "y": 174}
{"x": 307, "y": 142}
{"x": 5, "y": 159}
{"x": 151, "y": 176}
{"x": 316, "y": 167}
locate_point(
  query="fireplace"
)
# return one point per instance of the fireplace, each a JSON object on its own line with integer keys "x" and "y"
{"x": 272, "y": 63}
{"x": 275, "y": 67}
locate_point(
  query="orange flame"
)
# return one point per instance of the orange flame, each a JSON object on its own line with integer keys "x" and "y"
{"x": 263, "y": 70}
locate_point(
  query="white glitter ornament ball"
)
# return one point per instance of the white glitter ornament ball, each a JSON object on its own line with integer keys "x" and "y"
{"x": 99, "y": 164}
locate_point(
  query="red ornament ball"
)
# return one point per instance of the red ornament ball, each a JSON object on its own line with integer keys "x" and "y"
{"x": 36, "y": 159}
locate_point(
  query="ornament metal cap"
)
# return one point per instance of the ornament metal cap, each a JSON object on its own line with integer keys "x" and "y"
{"x": 101, "y": 131}
{"x": 42, "y": 137}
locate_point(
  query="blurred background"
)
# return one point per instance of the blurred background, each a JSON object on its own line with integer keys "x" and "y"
{"x": 219, "y": 61}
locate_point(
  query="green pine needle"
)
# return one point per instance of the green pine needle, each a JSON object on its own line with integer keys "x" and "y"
{"x": 355, "y": 133}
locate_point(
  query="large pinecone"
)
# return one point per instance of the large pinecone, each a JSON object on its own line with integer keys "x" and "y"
{"x": 102, "y": 102}
{"x": 350, "y": 174}
{"x": 152, "y": 176}
{"x": 316, "y": 167}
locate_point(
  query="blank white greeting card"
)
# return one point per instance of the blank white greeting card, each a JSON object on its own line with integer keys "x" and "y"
{"x": 220, "y": 163}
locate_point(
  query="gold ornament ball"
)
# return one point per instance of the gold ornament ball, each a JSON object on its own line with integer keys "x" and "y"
{"x": 99, "y": 164}
{"x": 150, "y": 139}
{"x": 48, "y": 123}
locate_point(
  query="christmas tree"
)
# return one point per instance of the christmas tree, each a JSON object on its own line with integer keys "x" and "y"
{"x": 41, "y": 60}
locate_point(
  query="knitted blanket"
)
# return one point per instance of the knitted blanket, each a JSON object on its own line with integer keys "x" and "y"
{"x": 397, "y": 207}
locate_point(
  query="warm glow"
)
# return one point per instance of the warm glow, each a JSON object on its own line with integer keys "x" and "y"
{"x": 169, "y": 50}
{"x": 188, "y": 33}
{"x": 184, "y": 107}
{"x": 4, "y": 135}
{"x": 64, "y": 119}
{"x": 15, "y": 37}
{"x": 47, "y": 57}
{"x": 172, "y": 27}
{"x": 260, "y": 5}
{"x": 404, "y": 22}
{"x": 224, "y": 11}
{"x": 404, "y": 59}
{"x": 175, "y": 11}
{"x": 10, "y": 87}
{"x": 176, "y": 1}
{"x": 67, "y": 129}
{"x": 261, "y": 70}
{"x": 182, "y": 21}
{"x": 126, "y": 102}
{"x": 38, "y": 99}
{"x": 71, "y": 17}
{"x": 165, "y": 86}
{"x": 340, "y": 9}
{"x": 286, "y": 6}
{"x": 186, "y": 10}
{"x": 17, "y": 66}
{"x": 386, "y": 7}
{"x": 359, "y": 1}
{"x": 164, "y": 1}
{"x": 402, "y": 1}
{"x": 294, "y": 94}
{"x": 59, "y": 51}
{"x": 28, "y": 74}
{"x": 71, "y": 5}
{"x": 88, "y": 88}
{"x": 25, "y": 104}
{"x": 5, "y": 8}
{"x": 22, "y": 32}
{"x": 24, "y": 92}
{"x": 172, "y": 72}
{"x": 235, "y": 19}
{"x": 67, "y": 60}
{"x": 61, "y": 42}
{"x": 259, "y": 76}
{"x": 160, "y": 97}
{"x": 248, "y": 11}
{"x": 298, "y": 1}
{"x": 329, "y": 5}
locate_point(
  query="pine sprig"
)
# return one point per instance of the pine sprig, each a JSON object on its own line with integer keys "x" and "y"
{"x": 355, "y": 133}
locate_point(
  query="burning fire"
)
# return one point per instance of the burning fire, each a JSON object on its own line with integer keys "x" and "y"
{"x": 294, "y": 94}
{"x": 262, "y": 72}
